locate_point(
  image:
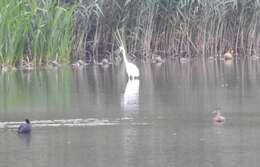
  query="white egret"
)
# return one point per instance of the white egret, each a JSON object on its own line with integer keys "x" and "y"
{"x": 131, "y": 69}
{"x": 54, "y": 63}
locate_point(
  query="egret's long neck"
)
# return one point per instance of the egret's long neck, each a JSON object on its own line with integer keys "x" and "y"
{"x": 124, "y": 56}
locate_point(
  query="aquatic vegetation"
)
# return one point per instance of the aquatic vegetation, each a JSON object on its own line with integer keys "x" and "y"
{"x": 51, "y": 30}
{"x": 167, "y": 27}
{"x": 34, "y": 31}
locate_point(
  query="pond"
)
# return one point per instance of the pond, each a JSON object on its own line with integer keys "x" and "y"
{"x": 95, "y": 117}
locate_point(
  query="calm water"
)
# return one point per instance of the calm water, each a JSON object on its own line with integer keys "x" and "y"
{"x": 94, "y": 117}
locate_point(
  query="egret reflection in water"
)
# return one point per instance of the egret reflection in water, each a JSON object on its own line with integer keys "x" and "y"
{"x": 130, "y": 101}
{"x": 130, "y": 106}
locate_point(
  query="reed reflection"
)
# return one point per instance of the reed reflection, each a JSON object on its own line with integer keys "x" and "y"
{"x": 25, "y": 138}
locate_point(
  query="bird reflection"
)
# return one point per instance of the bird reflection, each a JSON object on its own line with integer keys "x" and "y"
{"x": 25, "y": 138}
{"x": 130, "y": 105}
{"x": 228, "y": 62}
{"x": 130, "y": 99}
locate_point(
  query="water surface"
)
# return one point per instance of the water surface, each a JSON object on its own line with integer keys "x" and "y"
{"x": 94, "y": 117}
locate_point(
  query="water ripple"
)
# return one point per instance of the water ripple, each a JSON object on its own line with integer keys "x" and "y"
{"x": 71, "y": 123}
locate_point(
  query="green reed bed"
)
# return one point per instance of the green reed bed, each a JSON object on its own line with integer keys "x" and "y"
{"x": 34, "y": 30}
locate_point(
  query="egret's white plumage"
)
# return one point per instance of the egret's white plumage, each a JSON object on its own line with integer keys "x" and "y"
{"x": 131, "y": 69}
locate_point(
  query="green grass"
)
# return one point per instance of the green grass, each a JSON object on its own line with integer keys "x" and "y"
{"x": 38, "y": 29}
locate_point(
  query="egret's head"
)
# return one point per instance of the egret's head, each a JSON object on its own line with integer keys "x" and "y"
{"x": 122, "y": 49}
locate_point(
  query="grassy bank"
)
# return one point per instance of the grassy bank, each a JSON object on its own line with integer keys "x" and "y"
{"x": 70, "y": 30}
{"x": 33, "y": 30}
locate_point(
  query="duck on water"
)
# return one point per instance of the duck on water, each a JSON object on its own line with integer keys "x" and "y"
{"x": 25, "y": 127}
{"x": 218, "y": 118}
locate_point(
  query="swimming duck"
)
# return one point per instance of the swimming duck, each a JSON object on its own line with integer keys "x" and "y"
{"x": 79, "y": 63}
{"x": 25, "y": 127}
{"x": 157, "y": 59}
{"x": 218, "y": 117}
{"x": 54, "y": 63}
{"x": 228, "y": 55}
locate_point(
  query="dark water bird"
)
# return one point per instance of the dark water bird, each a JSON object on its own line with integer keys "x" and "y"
{"x": 103, "y": 63}
{"x": 26, "y": 65}
{"x": 54, "y": 63}
{"x": 25, "y": 127}
{"x": 157, "y": 59}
